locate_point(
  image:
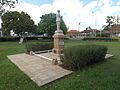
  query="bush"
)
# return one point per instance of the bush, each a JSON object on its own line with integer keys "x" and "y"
{"x": 38, "y": 38}
{"x": 77, "y": 57}
{"x": 38, "y": 47}
{"x": 101, "y": 39}
{"x": 3, "y": 39}
{"x": 102, "y": 35}
{"x": 116, "y": 38}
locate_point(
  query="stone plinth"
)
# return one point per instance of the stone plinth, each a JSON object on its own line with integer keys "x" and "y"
{"x": 58, "y": 42}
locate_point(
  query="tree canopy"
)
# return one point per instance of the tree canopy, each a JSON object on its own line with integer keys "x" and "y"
{"x": 110, "y": 21}
{"x": 6, "y": 3}
{"x": 18, "y": 22}
{"x": 48, "y": 24}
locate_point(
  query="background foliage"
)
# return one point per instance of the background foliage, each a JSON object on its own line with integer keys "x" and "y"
{"x": 48, "y": 25}
{"x": 6, "y": 3}
{"x": 18, "y": 22}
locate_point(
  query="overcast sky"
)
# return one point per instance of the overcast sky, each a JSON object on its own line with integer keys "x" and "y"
{"x": 86, "y": 12}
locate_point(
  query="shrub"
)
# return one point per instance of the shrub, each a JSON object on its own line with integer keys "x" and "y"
{"x": 9, "y": 39}
{"x": 77, "y": 57}
{"x": 3, "y": 39}
{"x": 38, "y": 38}
{"x": 102, "y": 35}
{"x": 38, "y": 47}
{"x": 116, "y": 38}
{"x": 101, "y": 39}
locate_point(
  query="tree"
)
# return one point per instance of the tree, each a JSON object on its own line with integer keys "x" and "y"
{"x": 6, "y": 3}
{"x": 48, "y": 25}
{"x": 110, "y": 21}
{"x": 18, "y": 22}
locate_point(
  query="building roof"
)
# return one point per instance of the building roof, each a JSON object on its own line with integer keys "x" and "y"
{"x": 91, "y": 30}
{"x": 73, "y": 31}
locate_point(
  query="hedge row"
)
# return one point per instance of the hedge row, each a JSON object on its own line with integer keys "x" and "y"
{"x": 27, "y": 38}
{"x": 38, "y": 47}
{"x": 77, "y": 57}
{"x": 101, "y": 39}
{"x": 9, "y": 39}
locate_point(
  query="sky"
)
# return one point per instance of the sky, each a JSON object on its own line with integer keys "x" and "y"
{"x": 86, "y": 12}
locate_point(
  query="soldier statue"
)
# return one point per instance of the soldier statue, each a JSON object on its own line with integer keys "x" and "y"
{"x": 58, "y": 20}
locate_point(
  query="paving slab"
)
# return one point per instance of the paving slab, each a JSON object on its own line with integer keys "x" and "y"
{"x": 39, "y": 70}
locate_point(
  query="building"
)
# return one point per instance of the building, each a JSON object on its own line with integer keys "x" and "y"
{"x": 115, "y": 30}
{"x": 89, "y": 33}
{"x": 73, "y": 34}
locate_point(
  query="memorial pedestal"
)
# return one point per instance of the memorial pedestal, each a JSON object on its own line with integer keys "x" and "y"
{"x": 58, "y": 42}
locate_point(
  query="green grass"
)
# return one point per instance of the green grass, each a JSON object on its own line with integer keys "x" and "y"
{"x": 102, "y": 76}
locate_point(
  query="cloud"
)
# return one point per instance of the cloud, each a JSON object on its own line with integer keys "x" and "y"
{"x": 118, "y": 3}
{"x": 33, "y": 10}
{"x": 105, "y": 2}
{"x": 73, "y": 11}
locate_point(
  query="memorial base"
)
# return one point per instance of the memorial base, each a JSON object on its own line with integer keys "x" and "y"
{"x": 58, "y": 43}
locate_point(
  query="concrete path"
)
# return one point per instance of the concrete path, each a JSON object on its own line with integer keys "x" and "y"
{"x": 39, "y": 70}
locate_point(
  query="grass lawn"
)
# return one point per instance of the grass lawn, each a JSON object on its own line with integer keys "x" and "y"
{"x": 102, "y": 76}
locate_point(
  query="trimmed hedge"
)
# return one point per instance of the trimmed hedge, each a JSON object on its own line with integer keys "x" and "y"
{"x": 101, "y": 39}
{"x": 77, "y": 57}
{"x": 3, "y": 39}
{"x": 102, "y": 35}
{"x": 38, "y": 47}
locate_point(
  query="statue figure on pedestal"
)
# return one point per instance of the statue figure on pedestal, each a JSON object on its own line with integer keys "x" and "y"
{"x": 58, "y": 20}
{"x": 58, "y": 37}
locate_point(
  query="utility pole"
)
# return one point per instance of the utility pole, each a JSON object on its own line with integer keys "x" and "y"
{"x": 79, "y": 35}
{"x": 79, "y": 26}
{"x": 118, "y": 20}
{"x": 95, "y": 24}
{"x": 94, "y": 30}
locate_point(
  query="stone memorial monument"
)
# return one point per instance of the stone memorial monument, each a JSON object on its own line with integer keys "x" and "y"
{"x": 58, "y": 36}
